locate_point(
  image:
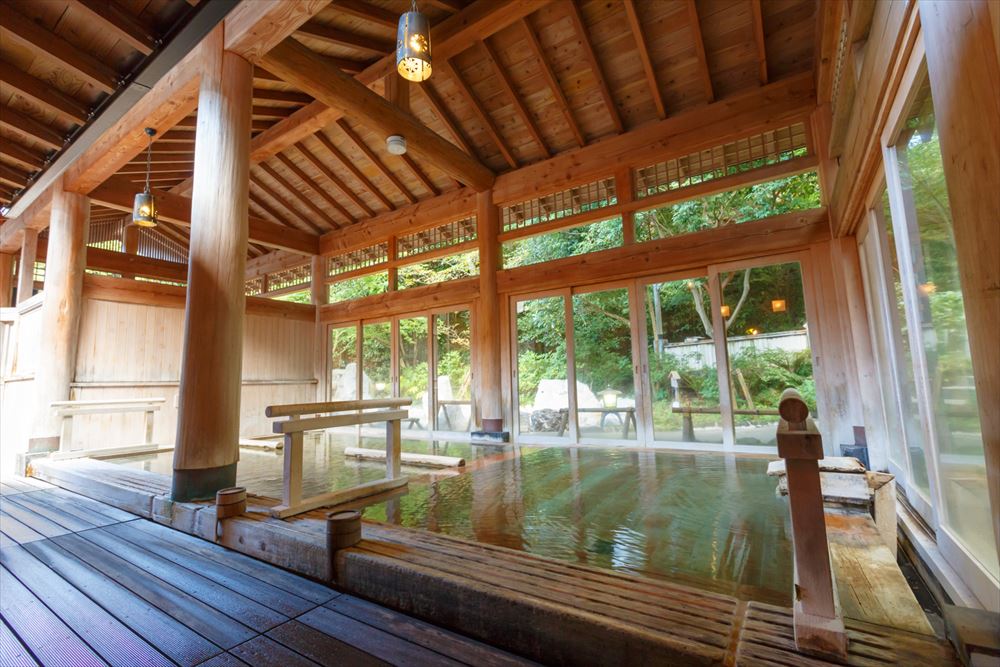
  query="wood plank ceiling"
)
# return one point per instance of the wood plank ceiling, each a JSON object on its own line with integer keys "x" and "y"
{"x": 570, "y": 73}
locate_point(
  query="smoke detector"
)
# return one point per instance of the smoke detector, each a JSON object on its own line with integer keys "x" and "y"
{"x": 396, "y": 144}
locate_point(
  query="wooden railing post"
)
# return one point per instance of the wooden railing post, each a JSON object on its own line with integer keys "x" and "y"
{"x": 148, "y": 422}
{"x": 292, "y": 484}
{"x": 819, "y": 628}
{"x": 393, "y": 447}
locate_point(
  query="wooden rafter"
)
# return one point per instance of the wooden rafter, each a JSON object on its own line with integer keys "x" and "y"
{"x": 370, "y": 13}
{"x": 43, "y": 93}
{"x": 271, "y": 112}
{"x": 503, "y": 77}
{"x": 112, "y": 17}
{"x": 268, "y": 95}
{"x": 419, "y": 173}
{"x": 699, "y": 48}
{"x": 300, "y": 67}
{"x": 20, "y": 154}
{"x": 51, "y": 45}
{"x": 13, "y": 176}
{"x": 285, "y": 204}
{"x": 351, "y": 167}
{"x": 30, "y": 127}
{"x": 270, "y": 210}
{"x": 480, "y": 112}
{"x": 635, "y": 25}
{"x": 305, "y": 200}
{"x": 447, "y": 5}
{"x": 442, "y": 113}
{"x": 576, "y": 18}
{"x": 333, "y": 178}
{"x": 374, "y": 159}
{"x": 758, "y": 34}
{"x": 338, "y": 37}
{"x": 308, "y": 182}
{"x": 553, "y": 82}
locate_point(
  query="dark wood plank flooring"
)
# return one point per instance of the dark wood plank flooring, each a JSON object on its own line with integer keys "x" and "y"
{"x": 83, "y": 583}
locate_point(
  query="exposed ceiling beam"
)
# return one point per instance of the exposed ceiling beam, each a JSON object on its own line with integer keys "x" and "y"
{"x": 550, "y": 78}
{"x": 370, "y": 13}
{"x": 353, "y": 168}
{"x": 287, "y": 187}
{"x": 576, "y": 18}
{"x": 647, "y": 64}
{"x": 447, "y": 5}
{"x": 503, "y": 77}
{"x": 699, "y": 46}
{"x": 299, "y": 66}
{"x": 13, "y": 176}
{"x": 480, "y": 113}
{"x": 50, "y": 45}
{"x": 333, "y": 178}
{"x": 442, "y": 113}
{"x": 337, "y": 37}
{"x": 419, "y": 173}
{"x": 119, "y": 194}
{"x": 308, "y": 182}
{"x": 29, "y": 127}
{"x": 254, "y": 28}
{"x": 19, "y": 153}
{"x": 268, "y": 95}
{"x": 43, "y": 93}
{"x": 260, "y": 203}
{"x": 758, "y": 35}
{"x": 452, "y": 36}
{"x": 374, "y": 159}
{"x": 112, "y": 17}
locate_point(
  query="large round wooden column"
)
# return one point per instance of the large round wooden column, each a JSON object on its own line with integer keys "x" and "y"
{"x": 487, "y": 353}
{"x": 65, "y": 261}
{"x": 208, "y": 421}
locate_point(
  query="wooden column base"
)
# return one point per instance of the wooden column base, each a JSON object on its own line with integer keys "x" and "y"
{"x": 201, "y": 483}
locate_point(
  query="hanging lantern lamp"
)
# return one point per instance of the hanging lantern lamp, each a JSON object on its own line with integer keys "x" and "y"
{"x": 413, "y": 46}
{"x": 144, "y": 209}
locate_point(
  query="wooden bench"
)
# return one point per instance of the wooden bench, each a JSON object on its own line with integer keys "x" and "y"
{"x": 67, "y": 410}
{"x": 352, "y": 413}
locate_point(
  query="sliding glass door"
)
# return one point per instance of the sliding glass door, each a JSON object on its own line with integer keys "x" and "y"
{"x": 542, "y": 377}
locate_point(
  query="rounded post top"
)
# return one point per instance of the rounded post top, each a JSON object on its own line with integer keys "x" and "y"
{"x": 792, "y": 407}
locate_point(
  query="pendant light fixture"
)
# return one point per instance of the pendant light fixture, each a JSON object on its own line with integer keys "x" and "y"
{"x": 144, "y": 209}
{"x": 413, "y": 45}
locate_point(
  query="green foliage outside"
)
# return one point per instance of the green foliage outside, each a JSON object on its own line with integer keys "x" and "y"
{"x": 296, "y": 297}
{"x": 563, "y": 243}
{"x": 439, "y": 270}
{"x": 355, "y": 288}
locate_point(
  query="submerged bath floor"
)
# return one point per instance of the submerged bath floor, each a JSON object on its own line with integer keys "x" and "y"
{"x": 707, "y": 520}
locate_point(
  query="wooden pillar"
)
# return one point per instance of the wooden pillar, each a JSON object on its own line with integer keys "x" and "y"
{"x": 6, "y": 278}
{"x": 963, "y": 69}
{"x": 26, "y": 265}
{"x": 65, "y": 261}
{"x": 130, "y": 243}
{"x": 318, "y": 292}
{"x": 488, "y": 315}
{"x": 208, "y": 419}
{"x": 625, "y": 192}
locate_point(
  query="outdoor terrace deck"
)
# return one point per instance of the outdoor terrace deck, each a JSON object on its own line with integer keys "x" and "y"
{"x": 85, "y": 583}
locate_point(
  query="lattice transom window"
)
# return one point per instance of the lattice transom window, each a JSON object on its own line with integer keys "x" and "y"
{"x": 358, "y": 259}
{"x": 254, "y": 286}
{"x": 579, "y": 199}
{"x": 748, "y": 153}
{"x": 445, "y": 236}
{"x": 290, "y": 277}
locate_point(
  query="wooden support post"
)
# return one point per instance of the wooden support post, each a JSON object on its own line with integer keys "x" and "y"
{"x": 393, "y": 448}
{"x": 963, "y": 69}
{"x": 148, "y": 422}
{"x": 6, "y": 278}
{"x": 26, "y": 265}
{"x": 65, "y": 260}
{"x": 292, "y": 486}
{"x": 318, "y": 293}
{"x": 819, "y": 628}
{"x": 208, "y": 418}
{"x": 130, "y": 243}
{"x": 625, "y": 192}
{"x": 487, "y": 326}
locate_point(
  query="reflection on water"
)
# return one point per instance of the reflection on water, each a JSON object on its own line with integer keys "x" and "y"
{"x": 706, "y": 520}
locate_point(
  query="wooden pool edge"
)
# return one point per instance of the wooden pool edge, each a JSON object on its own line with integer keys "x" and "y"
{"x": 566, "y": 620}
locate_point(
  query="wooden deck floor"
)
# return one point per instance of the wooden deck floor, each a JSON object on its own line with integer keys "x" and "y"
{"x": 84, "y": 583}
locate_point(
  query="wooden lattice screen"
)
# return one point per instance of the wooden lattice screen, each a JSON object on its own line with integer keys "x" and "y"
{"x": 753, "y": 152}
{"x": 444, "y": 236}
{"x": 572, "y": 201}
{"x": 358, "y": 259}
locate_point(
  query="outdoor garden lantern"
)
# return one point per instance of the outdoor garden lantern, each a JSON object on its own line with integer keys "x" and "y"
{"x": 724, "y": 310}
{"x": 778, "y": 306}
{"x": 413, "y": 46}
{"x": 609, "y": 398}
{"x": 144, "y": 208}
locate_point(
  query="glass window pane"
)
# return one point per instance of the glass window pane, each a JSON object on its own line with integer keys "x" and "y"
{"x": 563, "y": 243}
{"x": 913, "y": 434}
{"x": 767, "y": 343}
{"x": 453, "y": 351}
{"x": 452, "y": 267}
{"x": 543, "y": 402}
{"x": 355, "y": 288}
{"x": 602, "y": 348}
{"x": 941, "y": 316}
{"x": 682, "y": 364}
{"x": 343, "y": 363}
{"x": 414, "y": 371}
{"x": 376, "y": 361}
